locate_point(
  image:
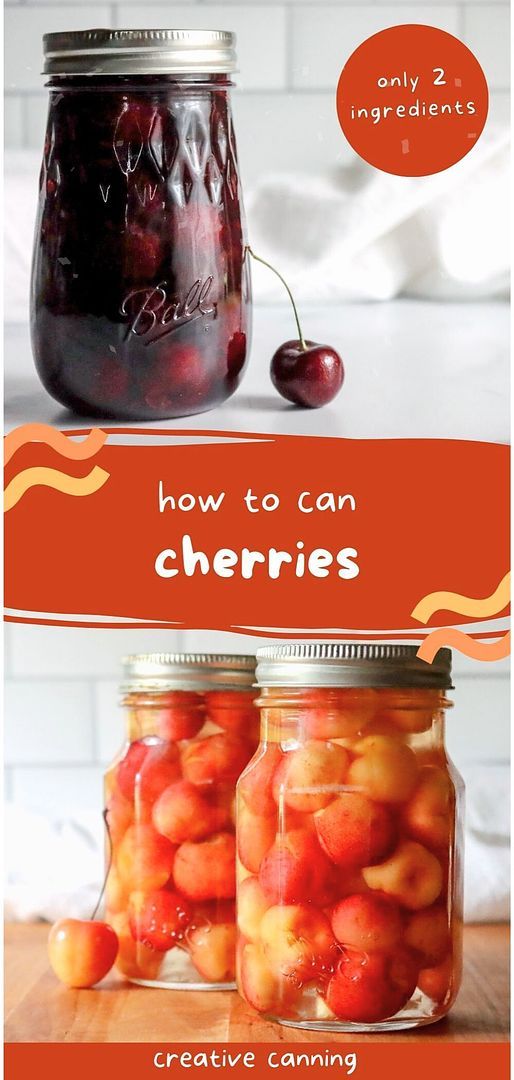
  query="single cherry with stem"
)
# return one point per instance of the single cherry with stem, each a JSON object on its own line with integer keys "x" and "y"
{"x": 82, "y": 951}
{"x": 304, "y": 372}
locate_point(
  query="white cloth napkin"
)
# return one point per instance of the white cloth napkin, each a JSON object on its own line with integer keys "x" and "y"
{"x": 55, "y": 868}
{"x": 487, "y": 844}
{"x": 359, "y": 234}
{"x": 350, "y": 234}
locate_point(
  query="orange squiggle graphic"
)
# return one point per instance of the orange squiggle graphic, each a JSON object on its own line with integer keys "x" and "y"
{"x": 464, "y": 605}
{"x": 53, "y": 478}
{"x": 457, "y": 639}
{"x": 56, "y": 439}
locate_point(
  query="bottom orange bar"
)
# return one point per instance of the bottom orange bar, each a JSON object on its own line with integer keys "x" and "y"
{"x": 377, "y": 1061}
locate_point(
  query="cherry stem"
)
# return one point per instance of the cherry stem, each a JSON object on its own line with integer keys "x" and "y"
{"x": 109, "y": 864}
{"x": 288, "y": 290}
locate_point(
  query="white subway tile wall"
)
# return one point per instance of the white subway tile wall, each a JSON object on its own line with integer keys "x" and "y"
{"x": 489, "y": 38}
{"x": 322, "y": 40}
{"x": 63, "y": 722}
{"x": 24, "y": 28}
{"x": 290, "y": 52}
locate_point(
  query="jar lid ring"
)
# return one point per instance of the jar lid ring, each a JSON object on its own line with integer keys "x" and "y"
{"x": 352, "y": 665}
{"x": 103, "y": 51}
{"x": 162, "y": 672}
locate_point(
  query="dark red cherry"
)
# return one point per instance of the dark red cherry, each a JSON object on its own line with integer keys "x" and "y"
{"x": 236, "y": 354}
{"x": 310, "y": 376}
{"x": 180, "y": 367}
{"x": 178, "y": 377}
{"x": 302, "y": 371}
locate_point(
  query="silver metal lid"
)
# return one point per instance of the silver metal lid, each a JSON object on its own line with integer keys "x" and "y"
{"x": 351, "y": 665}
{"x": 139, "y": 52}
{"x": 187, "y": 671}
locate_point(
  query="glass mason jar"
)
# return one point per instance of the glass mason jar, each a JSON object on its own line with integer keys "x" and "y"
{"x": 169, "y": 795}
{"x": 140, "y": 299}
{"x": 349, "y": 833}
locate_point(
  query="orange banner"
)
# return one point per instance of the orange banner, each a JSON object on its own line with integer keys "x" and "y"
{"x": 262, "y": 534}
{"x": 395, "y": 1060}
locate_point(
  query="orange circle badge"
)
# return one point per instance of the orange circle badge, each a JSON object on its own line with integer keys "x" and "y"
{"x": 412, "y": 100}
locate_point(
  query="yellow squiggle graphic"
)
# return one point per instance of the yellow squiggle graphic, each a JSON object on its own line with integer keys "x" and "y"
{"x": 53, "y": 478}
{"x": 464, "y": 605}
{"x": 56, "y": 439}
{"x": 457, "y": 639}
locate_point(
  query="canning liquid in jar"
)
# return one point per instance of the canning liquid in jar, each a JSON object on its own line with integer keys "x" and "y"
{"x": 170, "y": 896}
{"x": 349, "y": 833}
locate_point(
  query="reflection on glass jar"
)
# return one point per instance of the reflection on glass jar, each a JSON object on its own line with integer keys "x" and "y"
{"x": 349, "y": 833}
{"x": 191, "y": 729}
{"x": 140, "y": 286}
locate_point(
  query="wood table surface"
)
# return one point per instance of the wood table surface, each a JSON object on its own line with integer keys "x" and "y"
{"x": 39, "y": 1009}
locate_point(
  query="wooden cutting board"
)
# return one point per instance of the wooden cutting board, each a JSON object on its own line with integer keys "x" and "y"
{"x": 39, "y": 1009}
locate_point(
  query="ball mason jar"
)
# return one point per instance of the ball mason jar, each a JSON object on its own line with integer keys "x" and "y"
{"x": 170, "y": 896}
{"x": 140, "y": 297}
{"x": 349, "y": 835}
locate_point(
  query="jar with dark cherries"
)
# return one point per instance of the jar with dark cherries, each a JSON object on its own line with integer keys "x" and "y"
{"x": 140, "y": 299}
{"x": 349, "y": 834}
{"x": 169, "y": 795}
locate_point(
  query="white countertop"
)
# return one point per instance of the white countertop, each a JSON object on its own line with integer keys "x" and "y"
{"x": 414, "y": 369}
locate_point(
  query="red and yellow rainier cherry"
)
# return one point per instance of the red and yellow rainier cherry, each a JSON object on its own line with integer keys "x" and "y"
{"x": 81, "y": 951}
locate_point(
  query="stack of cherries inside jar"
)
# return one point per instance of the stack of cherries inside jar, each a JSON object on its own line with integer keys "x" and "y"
{"x": 170, "y": 815}
{"x": 171, "y": 819}
{"x": 344, "y": 853}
